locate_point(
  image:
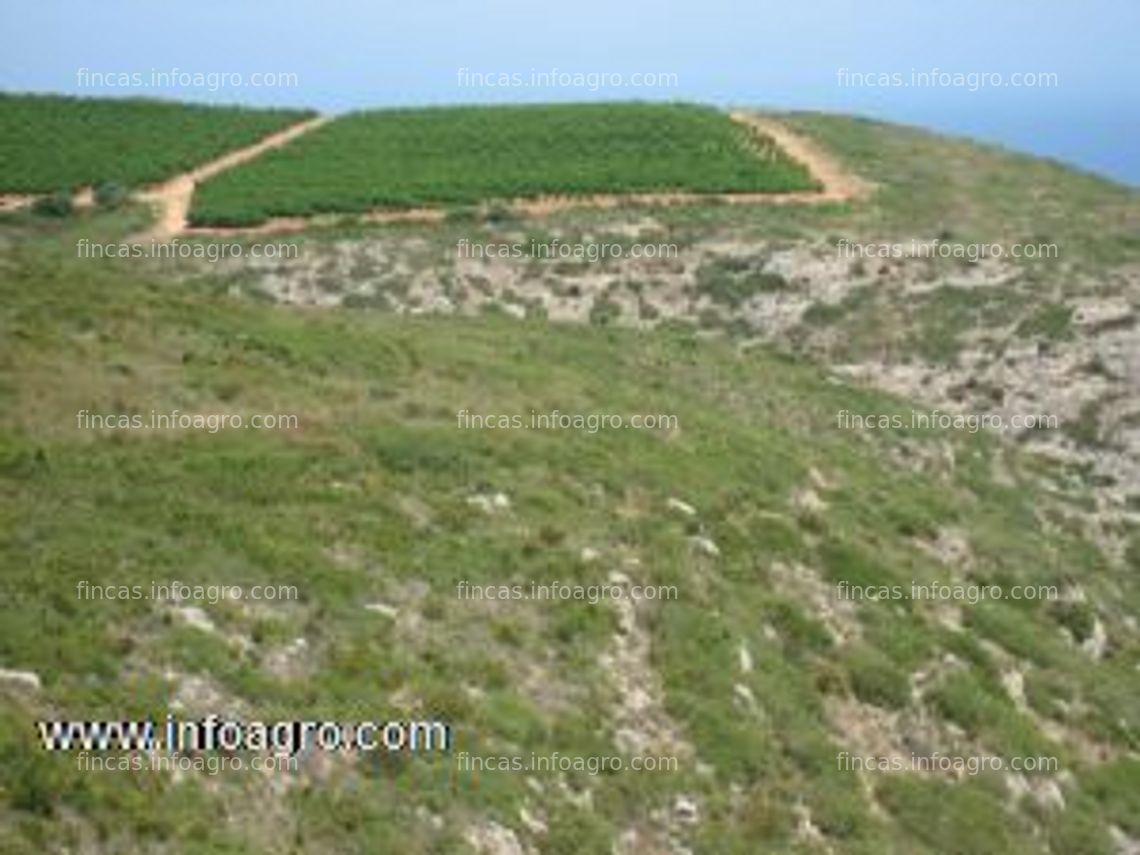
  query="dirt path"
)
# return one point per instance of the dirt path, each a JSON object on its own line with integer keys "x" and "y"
{"x": 839, "y": 185}
{"x": 83, "y": 199}
{"x": 14, "y": 201}
{"x": 173, "y": 197}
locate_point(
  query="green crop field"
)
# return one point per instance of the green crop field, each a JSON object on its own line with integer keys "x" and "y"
{"x": 465, "y": 155}
{"x": 49, "y": 142}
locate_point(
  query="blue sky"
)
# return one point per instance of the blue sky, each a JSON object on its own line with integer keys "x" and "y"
{"x": 359, "y": 53}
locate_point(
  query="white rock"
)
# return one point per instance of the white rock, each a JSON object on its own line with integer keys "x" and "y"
{"x": 703, "y": 544}
{"x": 27, "y": 678}
{"x": 744, "y": 694}
{"x": 533, "y": 824}
{"x": 196, "y": 617}
{"x": 1125, "y": 844}
{"x": 1050, "y": 795}
{"x": 806, "y": 828}
{"x": 481, "y": 502}
{"x": 685, "y": 810}
{"x": 515, "y": 310}
{"x": 808, "y": 501}
{"x": 1091, "y": 313}
{"x": 490, "y": 838}
{"x": 384, "y": 609}
{"x": 616, "y": 577}
{"x": 1014, "y": 684}
{"x": 745, "y": 658}
{"x": 589, "y": 554}
{"x": 1096, "y": 644}
{"x": 432, "y": 819}
{"x": 683, "y": 507}
{"x": 490, "y": 503}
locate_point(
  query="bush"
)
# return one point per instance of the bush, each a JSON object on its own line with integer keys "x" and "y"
{"x": 1078, "y": 618}
{"x": 963, "y": 699}
{"x": 57, "y": 204}
{"x": 604, "y": 312}
{"x": 109, "y": 194}
{"x": 1051, "y": 321}
{"x": 733, "y": 281}
{"x": 876, "y": 680}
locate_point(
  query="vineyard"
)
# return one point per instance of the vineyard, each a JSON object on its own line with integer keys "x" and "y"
{"x": 464, "y": 155}
{"x": 50, "y": 142}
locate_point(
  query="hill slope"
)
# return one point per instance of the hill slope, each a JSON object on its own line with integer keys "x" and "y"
{"x": 754, "y": 680}
{"x": 755, "y": 507}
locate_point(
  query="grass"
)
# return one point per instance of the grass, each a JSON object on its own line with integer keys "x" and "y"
{"x": 875, "y": 680}
{"x": 942, "y": 317}
{"x": 457, "y": 156}
{"x": 367, "y": 501}
{"x": 1050, "y": 321}
{"x": 52, "y": 142}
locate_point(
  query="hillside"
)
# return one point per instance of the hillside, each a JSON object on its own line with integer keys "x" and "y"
{"x": 757, "y": 507}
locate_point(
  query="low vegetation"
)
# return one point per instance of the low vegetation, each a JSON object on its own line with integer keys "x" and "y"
{"x": 464, "y": 155}
{"x": 379, "y": 497}
{"x": 55, "y": 143}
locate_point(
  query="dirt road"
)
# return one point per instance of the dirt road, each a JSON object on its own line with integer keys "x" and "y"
{"x": 173, "y": 197}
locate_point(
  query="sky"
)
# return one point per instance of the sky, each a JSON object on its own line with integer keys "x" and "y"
{"x": 337, "y": 55}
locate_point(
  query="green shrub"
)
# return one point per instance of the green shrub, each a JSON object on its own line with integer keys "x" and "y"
{"x": 955, "y": 819}
{"x": 796, "y": 628}
{"x": 57, "y": 204}
{"x": 963, "y": 699}
{"x": 1077, "y": 618}
{"x": 110, "y": 194}
{"x": 604, "y": 312}
{"x": 823, "y": 314}
{"x": 733, "y": 281}
{"x": 876, "y": 680}
{"x": 1051, "y": 321}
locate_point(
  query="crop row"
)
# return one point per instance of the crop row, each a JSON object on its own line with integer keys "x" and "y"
{"x": 466, "y": 155}
{"x": 51, "y": 142}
